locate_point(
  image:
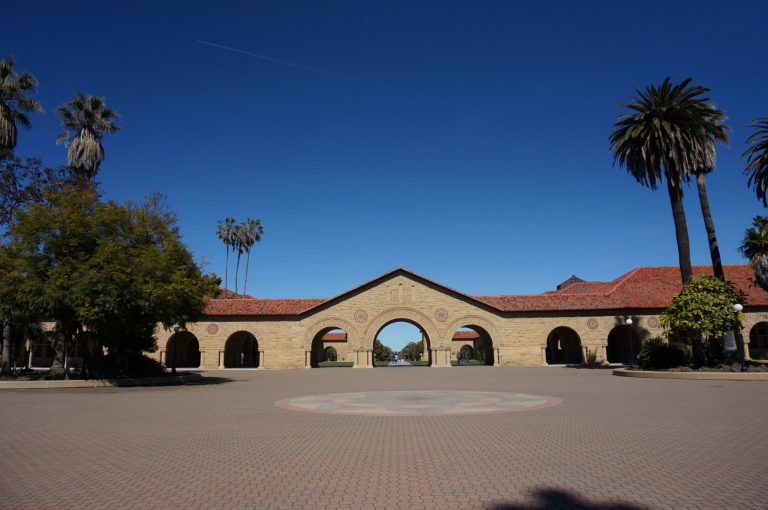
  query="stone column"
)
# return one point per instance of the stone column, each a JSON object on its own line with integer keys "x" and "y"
{"x": 261, "y": 359}
{"x": 202, "y": 359}
{"x": 496, "y": 360}
{"x": 584, "y": 354}
{"x": 221, "y": 360}
{"x": 544, "y": 355}
{"x": 307, "y": 359}
{"x": 163, "y": 357}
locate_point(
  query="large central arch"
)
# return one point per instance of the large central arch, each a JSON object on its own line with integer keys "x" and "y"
{"x": 438, "y": 355}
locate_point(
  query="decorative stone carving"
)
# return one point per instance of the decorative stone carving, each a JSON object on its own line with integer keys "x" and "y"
{"x": 361, "y": 316}
{"x": 653, "y": 322}
{"x": 441, "y": 315}
{"x": 592, "y": 323}
{"x": 212, "y": 329}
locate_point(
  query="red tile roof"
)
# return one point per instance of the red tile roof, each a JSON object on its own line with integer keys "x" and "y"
{"x": 465, "y": 335}
{"x": 641, "y": 288}
{"x": 335, "y": 337}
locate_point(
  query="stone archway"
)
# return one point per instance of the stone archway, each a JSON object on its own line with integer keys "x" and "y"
{"x": 758, "y": 341}
{"x": 620, "y": 348}
{"x": 241, "y": 350}
{"x": 564, "y": 347}
{"x": 484, "y": 347}
{"x": 183, "y": 348}
{"x": 439, "y": 353}
{"x": 313, "y": 340}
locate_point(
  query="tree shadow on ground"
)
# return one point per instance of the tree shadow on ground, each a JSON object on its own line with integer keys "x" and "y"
{"x": 191, "y": 381}
{"x": 547, "y": 499}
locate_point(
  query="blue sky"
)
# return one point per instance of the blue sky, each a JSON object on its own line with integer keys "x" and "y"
{"x": 466, "y": 141}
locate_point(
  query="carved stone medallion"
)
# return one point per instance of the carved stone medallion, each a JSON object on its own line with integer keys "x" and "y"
{"x": 212, "y": 329}
{"x": 592, "y": 323}
{"x": 441, "y": 315}
{"x": 653, "y": 322}
{"x": 361, "y": 316}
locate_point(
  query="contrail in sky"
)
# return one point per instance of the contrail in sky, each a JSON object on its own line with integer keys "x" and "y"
{"x": 292, "y": 64}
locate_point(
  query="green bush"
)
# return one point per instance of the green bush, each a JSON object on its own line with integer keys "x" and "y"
{"x": 657, "y": 353}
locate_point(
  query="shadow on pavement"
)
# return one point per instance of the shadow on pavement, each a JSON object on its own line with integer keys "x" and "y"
{"x": 546, "y": 499}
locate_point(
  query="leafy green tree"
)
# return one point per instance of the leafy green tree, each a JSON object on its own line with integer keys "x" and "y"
{"x": 86, "y": 119}
{"x": 412, "y": 351}
{"x": 225, "y": 231}
{"x": 668, "y": 136}
{"x": 757, "y": 158}
{"x": 15, "y": 102}
{"x": 755, "y": 248}
{"x": 703, "y": 310}
{"x": 252, "y": 234}
{"x": 381, "y": 351}
{"x": 107, "y": 274}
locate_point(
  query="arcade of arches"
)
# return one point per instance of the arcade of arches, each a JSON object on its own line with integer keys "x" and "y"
{"x": 580, "y": 322}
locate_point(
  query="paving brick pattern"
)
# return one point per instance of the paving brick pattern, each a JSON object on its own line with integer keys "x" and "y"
{"x": 614, "y": 443}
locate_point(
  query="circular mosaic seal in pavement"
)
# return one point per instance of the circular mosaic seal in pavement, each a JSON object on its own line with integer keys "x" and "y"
{"x": 417, "y": 403}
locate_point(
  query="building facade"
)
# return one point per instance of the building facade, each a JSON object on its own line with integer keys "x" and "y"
{"x": 579, "y": 322}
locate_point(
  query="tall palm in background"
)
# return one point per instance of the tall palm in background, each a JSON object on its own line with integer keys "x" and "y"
{"x": 15, "y": 101}
{"x": 755, "y": 248}
{"x": 224, "y": 233}
{"x": 253, "y": 232}
{"x": 757, "y": 158}
{"x": 237, "y": 243}
{"x": 86, "y": 120}
{"x": 665, "y": 137}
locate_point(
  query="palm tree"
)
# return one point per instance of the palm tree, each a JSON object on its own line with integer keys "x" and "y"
{"x": 755, "y": 248}
{"x": 254, "y": 231}
{"x": 237, "y": 242}
{"x": 713, "y": 129}
{"x": 224, "y": 233}
{"x": 15, "y": 100}
{"x": 757, "y": 158}
{"x": 86, "y": 120}
{"x": 665, "y": 137}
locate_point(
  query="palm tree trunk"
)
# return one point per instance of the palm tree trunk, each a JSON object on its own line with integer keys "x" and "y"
{"x": 714, "y": 251}
{"x": 681, "y": 231}
{"x": 247, "y": 263}
{"x": 237, "y": 271}
{"x": 226, "y": 271}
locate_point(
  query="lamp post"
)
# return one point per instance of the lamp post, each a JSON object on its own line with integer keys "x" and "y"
{"x": 737, "y": 308}
{"x": 176, "y": 330}
{"x": 628, "y": 322}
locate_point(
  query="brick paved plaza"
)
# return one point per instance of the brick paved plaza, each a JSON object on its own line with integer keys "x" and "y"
{"x": 612, "y": 443}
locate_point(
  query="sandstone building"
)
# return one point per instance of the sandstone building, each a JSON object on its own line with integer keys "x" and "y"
{"x": 579, "y": 322}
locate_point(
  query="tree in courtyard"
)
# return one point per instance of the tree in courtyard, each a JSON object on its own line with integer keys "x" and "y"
{"x": 703, "y": 310}
{"x": 107, "y": 274}
{"x": 224, "y": 231}
{"x": 86, "y": 119}
{"x": 252, "y": 234}
{"x": 381, "y": 351}
{"x": 15, "y": 102}
{"x": 757, "y": 159}
{"x": 22, "y": 182}
{"x": 668, "y": 136}
{"x": 754, "y": 246}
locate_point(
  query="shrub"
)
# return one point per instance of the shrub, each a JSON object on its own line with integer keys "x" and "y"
{"x": 657, "y": 353}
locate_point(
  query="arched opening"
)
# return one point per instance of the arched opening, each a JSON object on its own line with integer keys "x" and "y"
{"x": 401, "y": 342}
{"x": 330, "y": 354}
{"x": 472, "y": 345}
{"x": 326, "y": 346}
{"x": 758, "y": 341}
{"x": 623, "y": 345}
{"x": 241, "y": 351}
{"x": 184, "y": 347}
{"x": 564, "y": 347}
